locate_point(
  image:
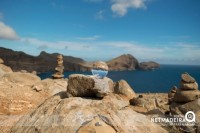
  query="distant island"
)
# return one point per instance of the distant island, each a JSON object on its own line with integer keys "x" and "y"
{"x": 45, "y": 62}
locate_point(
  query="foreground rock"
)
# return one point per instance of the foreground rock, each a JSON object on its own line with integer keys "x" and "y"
{"x": 122, "y": 87}
{"x": 4, "y": 69}
{"x": 1, "y": 61}
{"x": 88, "y": 86}
{"x": 75, "y": 114}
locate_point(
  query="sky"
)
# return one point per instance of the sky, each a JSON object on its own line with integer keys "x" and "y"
{"x": 166, "y": 31}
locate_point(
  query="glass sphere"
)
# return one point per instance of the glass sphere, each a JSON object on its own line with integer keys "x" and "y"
{"x": 100, "y": 69}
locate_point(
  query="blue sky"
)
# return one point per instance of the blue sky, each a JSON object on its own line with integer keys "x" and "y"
{"x": 166, "y": 31}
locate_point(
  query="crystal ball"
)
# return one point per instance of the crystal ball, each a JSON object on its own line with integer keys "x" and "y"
{"x": 100, "y": 69}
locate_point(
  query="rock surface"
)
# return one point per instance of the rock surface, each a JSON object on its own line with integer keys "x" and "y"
{"x": 96, "y": 126}
{"x": 88, "y": 86}
{"x": 122, "y": 87}
{"x": 59, "y": 114}
{"x": 1, "y": 61}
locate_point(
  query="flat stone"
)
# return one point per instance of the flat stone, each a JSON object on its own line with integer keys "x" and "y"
{"x": 57, "y": 76}
{"x": 59, "y": 57}
{"x": 184, "y": 96}
{"x": 59, "y": 68}
{"x": 189, "y": 86}
{"x": 187, "y": 78}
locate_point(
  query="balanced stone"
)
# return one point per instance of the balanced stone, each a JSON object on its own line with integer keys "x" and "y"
{"x": 184, "y": 96}
{"x": 187, "y": 78}
{"x": 171, "y": 94}
{"x": 59, "y": 68}
{"x": 188, "y": 86}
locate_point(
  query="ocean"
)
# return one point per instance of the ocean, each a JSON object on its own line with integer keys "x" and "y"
{"x": 156, "y": 81}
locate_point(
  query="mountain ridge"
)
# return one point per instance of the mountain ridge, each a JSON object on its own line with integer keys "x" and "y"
{"x": 46, "y": 62}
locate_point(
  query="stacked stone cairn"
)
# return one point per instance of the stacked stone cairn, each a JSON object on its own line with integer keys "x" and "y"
{"x": 188, "y": 90}
{"x": 171, "y": 94}
{"x": 59, "y": 68}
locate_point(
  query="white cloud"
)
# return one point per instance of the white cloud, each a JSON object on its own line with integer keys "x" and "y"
{"x": 120, "y": 7}
{"x": 75, "y": 46}
{"x": 177, "y": 52}
{"x": 100, "y": 15}
{"x": 92, "y": 38}
{"x": 6, "y": 32}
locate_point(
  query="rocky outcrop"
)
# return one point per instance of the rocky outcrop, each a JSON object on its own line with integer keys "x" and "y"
{"x": 88, "y": 86}
{"x": 4, "y": 69}
{"x": 1, "y": 61}
{"x": 75, "y": 114}
{"x": 123, "y": 62}
{"x": 122, "y": 87}
{"x": 148, "y": 65}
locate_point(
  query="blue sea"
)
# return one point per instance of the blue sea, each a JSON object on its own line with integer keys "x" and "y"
{"x": 157, "y": 80}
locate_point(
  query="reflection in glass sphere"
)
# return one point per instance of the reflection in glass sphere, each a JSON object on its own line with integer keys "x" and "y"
{"x": 100, "y": 69}
{"x": 99, "y": 73}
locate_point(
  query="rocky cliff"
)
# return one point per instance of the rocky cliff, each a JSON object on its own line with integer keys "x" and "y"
{"x": 47, "y": 62}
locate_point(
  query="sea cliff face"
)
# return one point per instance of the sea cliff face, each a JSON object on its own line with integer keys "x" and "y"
{"x": 45, "y": 62}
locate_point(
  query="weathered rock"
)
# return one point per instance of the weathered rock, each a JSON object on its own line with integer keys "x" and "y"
{"x": 187, "y": 78}
{"x": 96, "y": 126}
{"x": 23, "y": 71}
{"x": 34, "y": 72}
{"x": 122, "y": 87}
{"x": 186, "y": 95}
{"x": 188, "y": 86}
{"x": 51, "y": 86}
{"x": 100, "y": 65}
{"x": 88, "y": 86}
{"x": 22, "y": 78}
{"x": 73, "y": 114}
{"x": 183, "y": 108}
{"x": 1, "y": 61}
{"x": 5, "y": 68}
{"x": 138, "y": 102}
